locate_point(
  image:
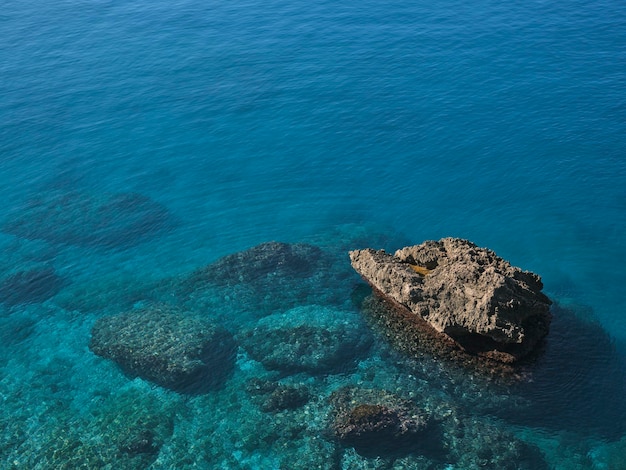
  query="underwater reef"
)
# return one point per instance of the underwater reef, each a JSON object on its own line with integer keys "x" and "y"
{"x": 268, "y": 278}
{"x": 281, "y": 356}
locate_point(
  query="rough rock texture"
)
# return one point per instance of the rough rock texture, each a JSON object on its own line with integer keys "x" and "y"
{"x": 167, "y": 347}
{"x": 271, "y": 259}
{"x": 468, "y": 293}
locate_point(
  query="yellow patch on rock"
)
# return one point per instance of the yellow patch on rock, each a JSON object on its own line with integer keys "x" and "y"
{"x": 421, "y": 270}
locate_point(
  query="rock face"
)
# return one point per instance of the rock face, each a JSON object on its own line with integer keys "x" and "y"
{"x": 467, "y": 293}
{"x": 167, "y": 347}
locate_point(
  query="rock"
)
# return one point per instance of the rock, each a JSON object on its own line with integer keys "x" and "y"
{"x": 79, "y": 218}
{"x": 369, "y": 419}
{"x": 15, "y": 329}
{"x": 125, "y": 430}
{"x": 32, "y": 286}
{"x": 270, "y": 259}
{"x": 274, "y": 396}
{"x": 167, "y": 347}
{"x": 474, "y": 442}
{"x": 464, "y": 292}
{"x": 311, "y": 339}
{"x": 268, "y": 278}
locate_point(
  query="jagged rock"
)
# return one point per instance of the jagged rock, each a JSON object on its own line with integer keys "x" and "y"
{"x": 80, "y": 218}
{"x": 31, "y": 286}
{"x": 467, "y": 293}
{"x": 167, "y": 347}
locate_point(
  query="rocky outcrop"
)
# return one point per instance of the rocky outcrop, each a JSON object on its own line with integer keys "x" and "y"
{"x": 167, "y": 347}
{"x": 464, "y": 292}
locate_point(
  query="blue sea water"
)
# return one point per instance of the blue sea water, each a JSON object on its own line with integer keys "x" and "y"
{"x": 338, "y": 124}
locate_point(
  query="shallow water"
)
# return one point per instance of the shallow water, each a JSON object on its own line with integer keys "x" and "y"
{"x": 140, "y": 143}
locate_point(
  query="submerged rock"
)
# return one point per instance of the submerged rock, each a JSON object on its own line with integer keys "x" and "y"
{"x": 475, "y": 442}
{"x": 268, "y": 278}
{"x": 79, "y": 218}
{"x": 375, "y": 420}
{"x": 270, "y": 259}
{"x": 467, "y": 293}
{"x": 167, "y": 347}
{"x": 274, "y": 396}
{"x": 32, "y": 286}
{"x": 311, "y": 339}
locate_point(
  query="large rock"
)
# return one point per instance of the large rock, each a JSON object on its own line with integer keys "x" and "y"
{"x": 465, "y": 292}
{"x": 167, "y": 347}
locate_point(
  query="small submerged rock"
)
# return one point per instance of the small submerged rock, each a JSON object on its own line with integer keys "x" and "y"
{"x": 80, "y": 218}
{"x": 467, "y": 293}
{"x": 274, "y": 396}
{"x": 265, "y": 279}
{"x": 31, "y": 286}
{"x": 375, "y": 420}
{"x": 267, "y": 260}
{"x": 167, "y": 347}
{"x": 311, "y": 339}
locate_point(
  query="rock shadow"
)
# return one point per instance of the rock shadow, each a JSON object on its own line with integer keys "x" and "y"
{"x": 117, "y": 220}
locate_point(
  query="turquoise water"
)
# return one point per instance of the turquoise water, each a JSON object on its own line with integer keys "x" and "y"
{"x": 141, "y": 141}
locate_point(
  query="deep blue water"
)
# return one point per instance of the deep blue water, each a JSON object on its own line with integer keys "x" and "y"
{"x": 339, "y": 124}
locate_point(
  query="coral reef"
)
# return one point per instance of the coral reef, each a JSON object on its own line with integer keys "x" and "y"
{"x": 78, "y": 218}
{"x": 464, "y": 292}
{"x": 166, "y": 346}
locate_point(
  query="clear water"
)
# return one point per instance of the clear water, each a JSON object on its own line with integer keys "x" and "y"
{"x": 339, "y": 124}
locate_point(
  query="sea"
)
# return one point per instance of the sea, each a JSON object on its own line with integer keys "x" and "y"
{"x": 216, "y": 161}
